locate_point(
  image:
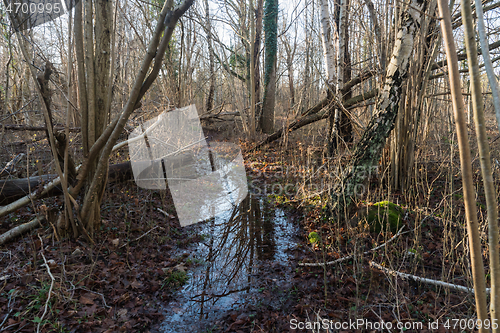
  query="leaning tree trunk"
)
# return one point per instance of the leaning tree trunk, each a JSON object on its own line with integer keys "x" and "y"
{"x": 404, "y": 137}
{"x": 271, "y": 43}
{"x": 369, "y": 148}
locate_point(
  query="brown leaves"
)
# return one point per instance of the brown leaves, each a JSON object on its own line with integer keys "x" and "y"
{"x": 84, "y": 299}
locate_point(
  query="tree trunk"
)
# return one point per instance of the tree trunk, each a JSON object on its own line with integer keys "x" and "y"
{"x": 344, "y": 124}
{"x": 97, "y": 73}
{"x": 465, "y": 157}
{"x": 330, "y": 58}
{"x": 252, "y": 71}
{"x": 271, "y": 32}
{"x": 167, "y": 21}
{"x": 211, "y": 89}
{"x": 259, "y": 12}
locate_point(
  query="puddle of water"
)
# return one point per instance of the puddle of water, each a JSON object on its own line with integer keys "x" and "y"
{"x": 234, "y": 265}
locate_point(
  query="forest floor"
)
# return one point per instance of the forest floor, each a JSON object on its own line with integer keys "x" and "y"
{"x": 123, "y": 282}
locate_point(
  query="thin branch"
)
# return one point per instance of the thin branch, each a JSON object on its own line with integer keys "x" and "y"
{"x": 51, "y": 286}
{"x": 313, "y": 264}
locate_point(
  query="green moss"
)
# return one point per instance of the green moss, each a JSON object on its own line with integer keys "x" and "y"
{"x": 314, "y": 237}
{"x": 384, "y": 215}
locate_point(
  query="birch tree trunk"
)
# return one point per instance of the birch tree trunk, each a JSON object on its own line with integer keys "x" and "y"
{"x": 329, "y": 53}
{"x": 337, "y": 62}
{"x": 369, "y": 149}
{"x": 330, "y": 58}
{"x": 465, "y": 157}
{"x": 495, "y": 89}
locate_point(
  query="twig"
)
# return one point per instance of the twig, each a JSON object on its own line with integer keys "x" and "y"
{"x": 425, "y": 280}
{"x": 352, "y": 255}
{"x": 162, "y": 211}
{"x": 94, "y": 292}
{"x": 51, "y": 286}
{"x": 5, "y": 277}
{"x": 8, "y": 307}
{"x": 55, "y": 231}
{"x": 140, "y": 236}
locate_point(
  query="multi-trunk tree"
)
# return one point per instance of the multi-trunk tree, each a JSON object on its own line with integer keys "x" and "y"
{"x": 95, "y": 55}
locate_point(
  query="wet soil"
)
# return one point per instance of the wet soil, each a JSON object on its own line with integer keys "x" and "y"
{"x": 244, "y": 255}
{"x": 238, "y": 272}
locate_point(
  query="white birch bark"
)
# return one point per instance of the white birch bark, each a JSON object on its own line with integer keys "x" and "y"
{"x": 342, "y": 43}
{"x": 495, "y": 89}
{"x": 329, "y": 52}
{"x": 369, "y": 148}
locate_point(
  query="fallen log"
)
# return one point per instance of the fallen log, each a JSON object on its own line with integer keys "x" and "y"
{"x": 296, "y": 124}
{"x": 14, "y": 127}
{"x": 218, "y": 116}
{"x": 13, "y": 189}
{"x": 314, "y": 114}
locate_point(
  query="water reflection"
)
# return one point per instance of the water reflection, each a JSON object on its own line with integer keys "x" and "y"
{"x": 238, "y": 246}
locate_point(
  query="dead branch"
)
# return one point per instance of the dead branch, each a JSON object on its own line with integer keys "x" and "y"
{"x": 352, "y": 255}
{"x": 10, "y": 168}
{"x": 463, "y": 56}
{"x": 135, "y": 240}
{"x": 425, "y": 280}
{"x": 313, "y": 264}
{"x": 51, "y": 286}
{"x": 315, "y": 114}
{"x": 20, "y": 229}
{"x": 218, "y": 116}
{"x": 363, "y": 76}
